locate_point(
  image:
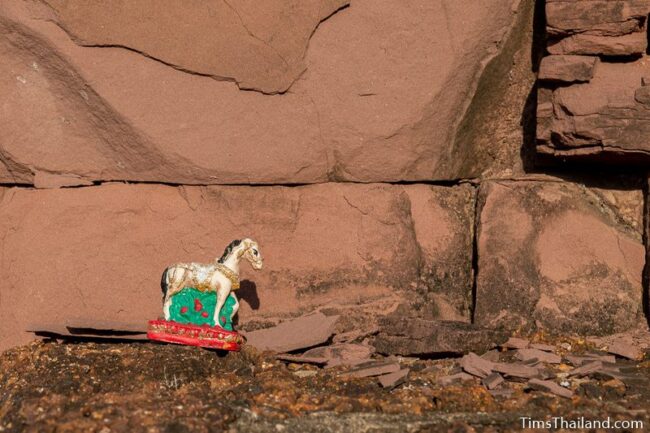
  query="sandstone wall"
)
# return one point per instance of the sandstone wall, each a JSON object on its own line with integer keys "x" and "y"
{"x": 380, "y": 153}
{"x": 97, "y": 253}
{"x": 238, "y": 97}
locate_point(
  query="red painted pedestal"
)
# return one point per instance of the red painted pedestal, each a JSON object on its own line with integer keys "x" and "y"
{"x": 194, "y": 335}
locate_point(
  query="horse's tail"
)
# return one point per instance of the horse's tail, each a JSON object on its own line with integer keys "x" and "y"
{"x": 163, "y": 284}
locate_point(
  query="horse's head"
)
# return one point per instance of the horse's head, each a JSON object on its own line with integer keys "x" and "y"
{"x": 251, "y": 251}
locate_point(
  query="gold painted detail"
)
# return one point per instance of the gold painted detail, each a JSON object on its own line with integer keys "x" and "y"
{"x": 230, "y": 274}
{"x": 201, "y": 275}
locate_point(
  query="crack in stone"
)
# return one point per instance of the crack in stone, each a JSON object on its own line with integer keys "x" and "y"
{"x": 216, "y": 77}
{"x": 252, "y": 35}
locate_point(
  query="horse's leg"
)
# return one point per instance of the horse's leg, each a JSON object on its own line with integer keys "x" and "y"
{"x": 174, "y": 280}
{"x": 222, "y": 295}
{"x": 235, "y": 307}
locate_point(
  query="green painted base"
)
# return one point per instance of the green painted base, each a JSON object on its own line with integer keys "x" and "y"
{"x": 197, "y": 308}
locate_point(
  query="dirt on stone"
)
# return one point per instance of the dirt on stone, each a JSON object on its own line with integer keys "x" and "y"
{"x": 145, "y": 387}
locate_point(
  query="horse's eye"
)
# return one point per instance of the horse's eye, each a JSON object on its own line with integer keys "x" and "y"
{"x": 254, "y": 252}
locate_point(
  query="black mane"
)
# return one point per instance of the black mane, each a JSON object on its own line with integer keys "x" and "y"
{"x": 228, "y": 249}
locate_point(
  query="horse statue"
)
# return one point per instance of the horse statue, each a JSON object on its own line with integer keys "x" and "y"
{"x": 191, "y": 290}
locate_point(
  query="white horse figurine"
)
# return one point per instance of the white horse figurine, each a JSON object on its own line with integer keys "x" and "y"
{"x": 221, "y": 276}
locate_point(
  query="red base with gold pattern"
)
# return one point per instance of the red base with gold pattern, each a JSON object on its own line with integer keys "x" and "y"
{"x": 194, "y": 335}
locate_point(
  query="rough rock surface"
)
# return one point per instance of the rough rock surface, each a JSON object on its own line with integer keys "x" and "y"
{"x": 609, "y": 115}
{"x": 567, "y": 68}
{"x": 408, "y": 336}
{"x": 609, "y": 27}
{"x": 605, "y": 114}
{"x": 96, "y": 253}
{"x": 555, "y": 256}
{"x": 381, "y": 82}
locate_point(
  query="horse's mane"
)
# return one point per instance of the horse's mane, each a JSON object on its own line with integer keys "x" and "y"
{"x": 229, "y": 249}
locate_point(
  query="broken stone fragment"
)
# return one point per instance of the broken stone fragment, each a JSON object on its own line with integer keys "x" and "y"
{"x": 492, "y": 355}
{"x": 567, "y": 69}
{"x": 516, "y": 370}
{"x": 586, "y": 369}
{"x": 540, "y": 355}
{"x": 302, "y": 359}
{"x": 300, "y": 333}
{"x": 350, "y": 336}
{"x": 393, "y": 379}
{"x": 515, "y": 343}
{"x": 475, "y": 365}
{"x": 542, "y": 346}
{"x": 493, "y": 380}
{"x": 342, "y": 354}
{"x": 91, "y": 328}
{"x": 624, "y": 349}
{"x": 408, "y": 336}
{"x": 550, "y": 386}
{"x": 372, "y": 368}
{"x": 577, "y": 360}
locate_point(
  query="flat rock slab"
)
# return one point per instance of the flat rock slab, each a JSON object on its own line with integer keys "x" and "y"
{"x": 515, "y": 343}
{"x": 302, "y": 359}
{"x": 393, "y": 379}
{"x": 567, "y": 69}
{"x": 342, "y": 353}
{"x": 350, "y": 336}
{"x": 542, "y": 346}
{"x": 529, "y": 354}
{"x": 301, "y": 333}
{"x": 516, "y": 370}
{"x": 586, "y": 369}
{"x": 599, "y": 368}
{"x": 477, "y": 366}
{"x": 625, "y": 349}
{"x": 578, "y": 360}
{"x": 373, "y": 368}
{"x": 404, "y": 336}
{"x": 493, "y": 380}
{"x": 91, "y": 328}
{"x": 550, "y": 386}
{"x": 492, "y": 355}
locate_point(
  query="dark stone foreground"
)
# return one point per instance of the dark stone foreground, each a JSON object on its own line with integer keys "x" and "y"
{"x": 144, "y": 387}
